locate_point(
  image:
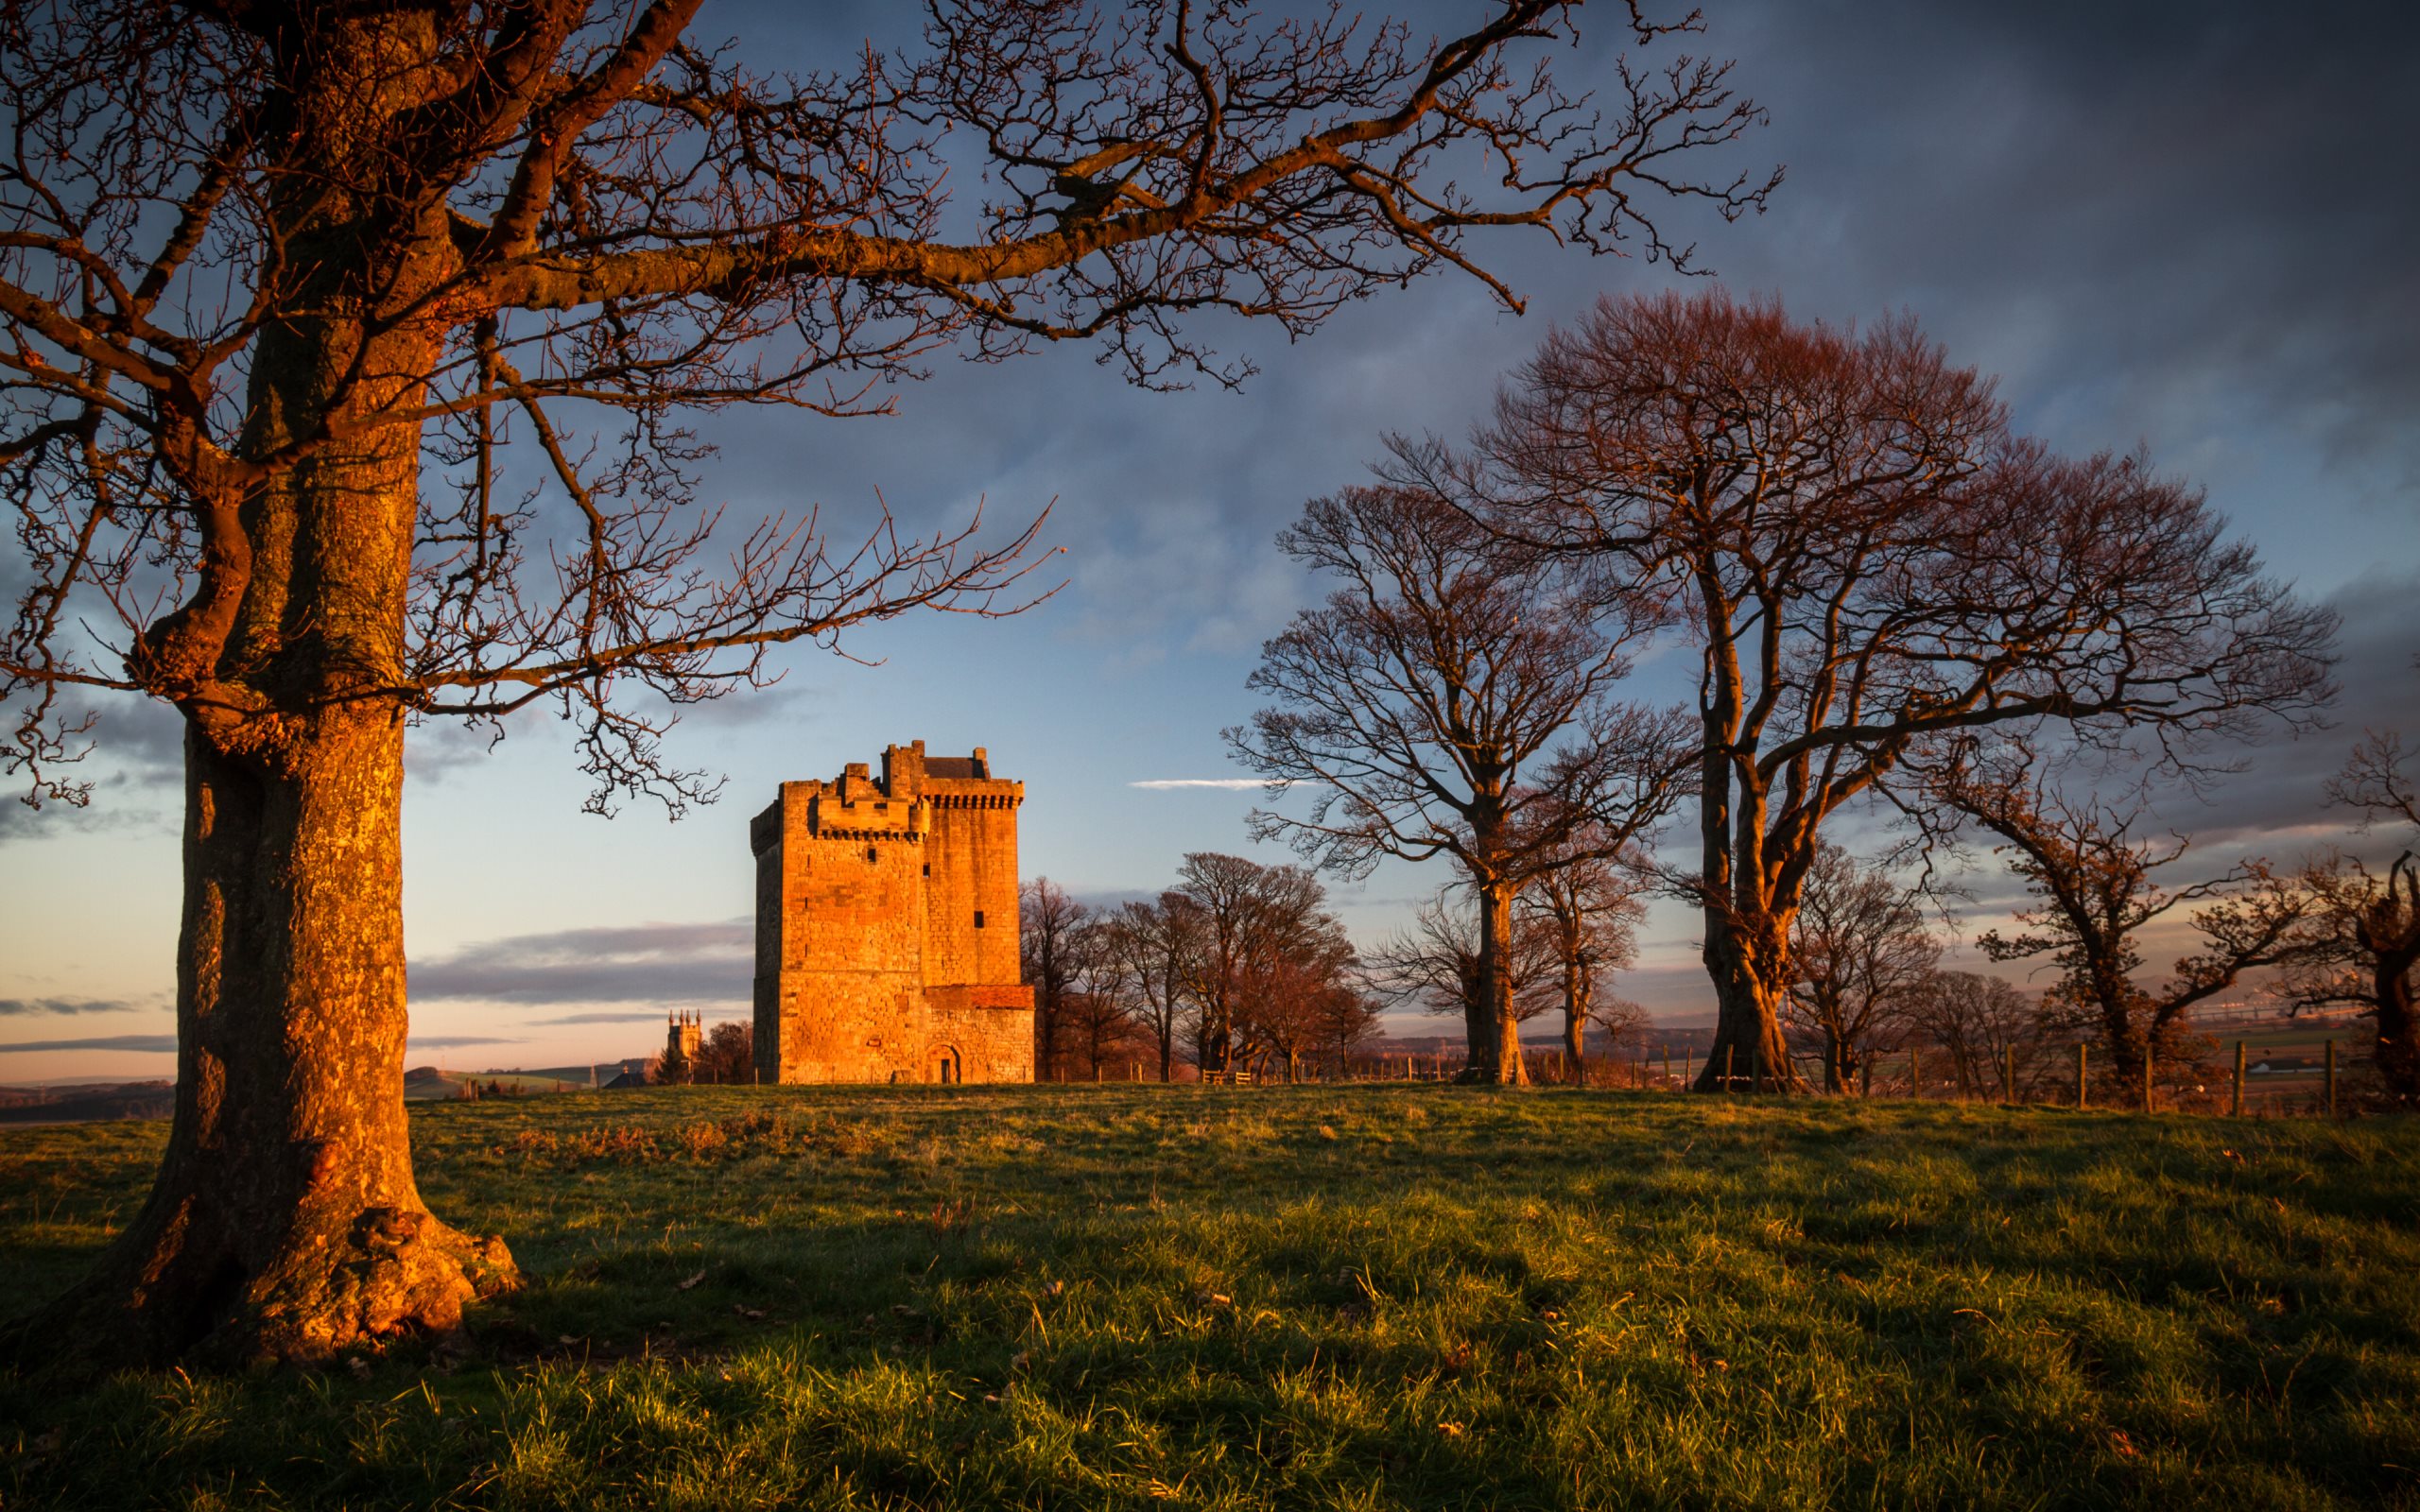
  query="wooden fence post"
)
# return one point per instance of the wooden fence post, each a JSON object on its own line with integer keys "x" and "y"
{"x": 2082, "y": 1085}
{"x": 2147, "y": 1078}
{"x": 2008, "y": 1073}
{"x": 2331, "y": 1078}
{"x": 1916, "y": 1074}
{"x": 2237, "y": 1111}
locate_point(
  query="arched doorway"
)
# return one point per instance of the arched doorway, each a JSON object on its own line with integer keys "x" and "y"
{"x": 943, "y": 1065}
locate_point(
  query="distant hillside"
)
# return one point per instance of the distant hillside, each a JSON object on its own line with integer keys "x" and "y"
{"x": 86, "y": 1104}
{"x": 424, "y": 1083}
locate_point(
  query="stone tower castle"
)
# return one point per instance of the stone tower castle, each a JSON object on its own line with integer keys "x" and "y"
{"x": 887, "y": 926}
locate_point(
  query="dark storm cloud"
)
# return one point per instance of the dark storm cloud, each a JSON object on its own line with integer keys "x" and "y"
{"x": 648, "y": 963}
{"x": 2186, "y": 223}
{"x": 18, "y": 1007}
{"x": 143, "y": 1044}
{"x": 2148, "y": 218}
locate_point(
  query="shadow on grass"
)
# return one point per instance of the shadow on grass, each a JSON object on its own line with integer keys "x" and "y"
{"x": 1315, "y": 1296}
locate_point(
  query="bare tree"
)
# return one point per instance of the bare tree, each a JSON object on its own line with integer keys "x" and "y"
{"x": 1249, "y": 918}
{"x": 1978, "y": 1021}
{"x": 1290, "y": 999}
{"x": 2097, "y": 887}
{"x": 1050, "y": 951}
{"x": 1866, "y": 559}
{"x": 1097, "y": 1022}
{"x": 2362, "y": 945}
{"x": 728, "y": 1053}
{"x": 282, "y": 281}
{"x": 1860, "y": 949}
{"x": 1449, "y": 700}
{"x": 1624, "y": 1024}
{"x": 1345, "y": 1016}
{"x": 1154, "y": 947}
{"x": 1438, "y": 964}
{"x": 1589, "y": 912}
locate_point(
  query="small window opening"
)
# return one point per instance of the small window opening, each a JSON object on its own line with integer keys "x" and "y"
{"x": 928, "y": 868}
{"x": 869, "y": 852}
{"x": 978, "y": 918}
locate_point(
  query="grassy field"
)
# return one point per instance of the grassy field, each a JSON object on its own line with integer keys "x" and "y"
{"x": 1347, "y": 1298}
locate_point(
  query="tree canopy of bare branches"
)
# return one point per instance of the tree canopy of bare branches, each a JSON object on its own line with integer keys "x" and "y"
{"x": 1980, "y": 1021}
{"x": 1866, "y": 559}
{"x": 1451, "y": 700}
{"x": 2097, "y": 887}
{"x": 1861, "y": 949}
{"x": 1437, "y": 963}
{"x": 1154, "y": 947}
{"x": 282, "y": 281}
{"x": 1588, "y": 910}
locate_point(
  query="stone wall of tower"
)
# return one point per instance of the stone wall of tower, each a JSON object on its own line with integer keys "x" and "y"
{"x": 887, "y": 926}
{"x": 971, "y": 900}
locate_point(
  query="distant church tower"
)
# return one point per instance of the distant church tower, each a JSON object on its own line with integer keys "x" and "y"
{"x": 683, "y": 1036}
{"x": 887, "y": 926}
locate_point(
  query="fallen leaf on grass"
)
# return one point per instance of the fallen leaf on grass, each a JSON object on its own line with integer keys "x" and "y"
{"x": 2121, "y": 1444}
{"x": 691, "y": 1283}
{"x": 1450, "y": 1430}
{"x": 750, "y": 1314}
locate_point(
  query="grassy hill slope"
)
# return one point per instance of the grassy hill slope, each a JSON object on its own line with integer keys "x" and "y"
{"x": 1358, "y": 1297}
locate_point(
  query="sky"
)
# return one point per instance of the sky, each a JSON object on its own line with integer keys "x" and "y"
{"x": 2180, "y": 227}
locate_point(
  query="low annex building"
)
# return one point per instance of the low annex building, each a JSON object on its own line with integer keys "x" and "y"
{"x": 887, "y": 926}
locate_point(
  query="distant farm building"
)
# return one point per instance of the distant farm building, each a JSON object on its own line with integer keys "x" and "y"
{"x": 887, "y": 926}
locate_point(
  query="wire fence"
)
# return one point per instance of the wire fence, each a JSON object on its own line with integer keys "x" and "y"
{"x": 2243, "y": 1079}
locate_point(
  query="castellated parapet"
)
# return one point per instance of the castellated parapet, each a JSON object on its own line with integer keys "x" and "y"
{"x": 887, "y": 926}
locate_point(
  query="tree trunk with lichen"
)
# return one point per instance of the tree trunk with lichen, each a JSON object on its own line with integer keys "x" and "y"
{"x": 285, "y": 1223}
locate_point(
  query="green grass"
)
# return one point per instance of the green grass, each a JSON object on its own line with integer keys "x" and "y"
{"x": 1360, "y": 1297}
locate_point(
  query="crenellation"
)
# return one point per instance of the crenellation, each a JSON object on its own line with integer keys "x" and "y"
{"x": 886, "y": 919}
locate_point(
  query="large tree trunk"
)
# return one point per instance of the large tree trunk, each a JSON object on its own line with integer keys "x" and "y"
{"x": 1747, "y": 992}
{"x": 1495, "y": 1040}
{"x": 285, "y": 1223}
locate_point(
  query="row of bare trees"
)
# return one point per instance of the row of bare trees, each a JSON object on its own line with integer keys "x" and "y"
{"x": 1894, "y": 604}
{"x": 1237, "y": 967}
{"x": 2330, "y": 931}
